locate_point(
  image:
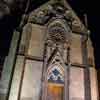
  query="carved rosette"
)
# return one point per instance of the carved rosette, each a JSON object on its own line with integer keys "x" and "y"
{"x": 58, "y": 31}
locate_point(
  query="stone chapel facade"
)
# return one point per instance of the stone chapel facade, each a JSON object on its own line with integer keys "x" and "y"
{"x": 51, "y": 58}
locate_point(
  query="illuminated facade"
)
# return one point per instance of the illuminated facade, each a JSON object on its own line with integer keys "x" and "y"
{"x": 51, "y": 58}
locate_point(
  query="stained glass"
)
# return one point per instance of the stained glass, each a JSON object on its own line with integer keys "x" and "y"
{"x": 55, "y": 74}
{"x": 55, "y": 89}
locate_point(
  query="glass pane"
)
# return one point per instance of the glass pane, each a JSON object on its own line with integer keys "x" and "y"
{"x": 55, "y": 83}
{"x": 55, "y": 75}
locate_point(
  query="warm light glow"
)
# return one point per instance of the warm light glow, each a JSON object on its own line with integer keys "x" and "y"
{"x": 55, "y": 91}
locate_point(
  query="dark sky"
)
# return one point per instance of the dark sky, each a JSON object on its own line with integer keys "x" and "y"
{"x": 10, "y": 15}
{"x": 91, "y": 8}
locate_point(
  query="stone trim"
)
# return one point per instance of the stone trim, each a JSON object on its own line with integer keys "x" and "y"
{"x": 9, "y": 63}
{"x": 87, "y": 88}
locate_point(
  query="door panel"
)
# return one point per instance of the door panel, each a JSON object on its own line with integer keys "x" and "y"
{"x": 55, "y": 91}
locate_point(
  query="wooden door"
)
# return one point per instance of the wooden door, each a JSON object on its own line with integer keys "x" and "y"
{"x": 55, "y": 91}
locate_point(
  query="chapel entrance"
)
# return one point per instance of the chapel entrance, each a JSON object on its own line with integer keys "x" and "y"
{"x": 55, "y": 91}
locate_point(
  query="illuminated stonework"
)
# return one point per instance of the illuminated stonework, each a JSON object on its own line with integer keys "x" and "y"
{"x": 58, "y": 30}
{"x": 54, "y": 59}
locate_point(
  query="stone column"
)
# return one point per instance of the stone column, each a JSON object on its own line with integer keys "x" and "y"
{"x": 8, "y": 67}
{"x": 87, "y": 81}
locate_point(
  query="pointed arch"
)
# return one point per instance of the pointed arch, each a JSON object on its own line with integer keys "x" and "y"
{"x": 55, "y": 74}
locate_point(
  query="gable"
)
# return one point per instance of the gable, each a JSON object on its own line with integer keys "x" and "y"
{"x": 45, "y": 12}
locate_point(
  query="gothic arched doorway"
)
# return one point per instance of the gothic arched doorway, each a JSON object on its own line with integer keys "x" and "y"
{"x": 55, "y": 83}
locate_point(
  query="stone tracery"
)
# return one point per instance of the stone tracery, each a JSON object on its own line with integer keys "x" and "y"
{"x": 58, "y": 30}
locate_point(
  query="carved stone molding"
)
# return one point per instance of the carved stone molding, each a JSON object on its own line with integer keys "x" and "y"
{"x": 58, "y": 31}
{"x": 60, "y": 9}
{"x": 42, "y": 16}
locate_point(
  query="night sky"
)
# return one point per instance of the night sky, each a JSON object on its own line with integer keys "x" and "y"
{"x": 11, "y": 11}
{"x": 91, "y": 8}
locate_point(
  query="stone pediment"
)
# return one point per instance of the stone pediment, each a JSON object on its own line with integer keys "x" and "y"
{"x": 56, "y": 58}
{"x": 57, "y": 9}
